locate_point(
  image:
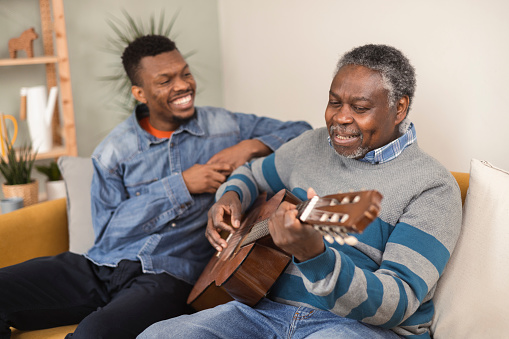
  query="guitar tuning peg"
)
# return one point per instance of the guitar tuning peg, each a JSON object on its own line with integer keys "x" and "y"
{"x": 351, "y": 240}
{"x": 329, "y": 238}
{"x": 356, "y": 199}
{"x": 335, "y": 217}
{"x": 345, "y": 200}
{"x": 339, "y": 240}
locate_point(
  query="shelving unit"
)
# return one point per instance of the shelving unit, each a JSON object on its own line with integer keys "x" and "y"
{"x": 56, "y": 61}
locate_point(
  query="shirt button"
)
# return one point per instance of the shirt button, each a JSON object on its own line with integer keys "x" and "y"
{"x": 172, "y": 145}
{"x": 173, "y": 224}
{"x": 138, "y": 193}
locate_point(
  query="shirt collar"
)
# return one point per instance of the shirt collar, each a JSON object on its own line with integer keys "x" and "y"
{"x": 391, "y": 150}
{"x": 141, "y": 111}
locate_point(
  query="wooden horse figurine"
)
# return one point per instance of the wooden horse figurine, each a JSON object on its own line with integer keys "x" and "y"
{"x": 24, "y": 42}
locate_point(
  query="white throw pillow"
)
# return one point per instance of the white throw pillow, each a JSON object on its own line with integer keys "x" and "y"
{"x": 472, "y": 297}
{"x": 77, "y": 173}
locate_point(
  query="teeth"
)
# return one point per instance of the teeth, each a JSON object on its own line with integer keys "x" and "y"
{"x": 344, "y": 138}
{"x": 183, "y": 100}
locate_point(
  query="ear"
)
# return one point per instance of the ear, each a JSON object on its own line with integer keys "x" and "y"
{"x": 139, "y": 94}
{"x": 401, "y": 109}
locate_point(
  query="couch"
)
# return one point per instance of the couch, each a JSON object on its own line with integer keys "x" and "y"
{"x": 45, "y": 229}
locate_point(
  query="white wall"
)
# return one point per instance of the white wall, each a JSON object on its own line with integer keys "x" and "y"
{"x": 279, "y": 55}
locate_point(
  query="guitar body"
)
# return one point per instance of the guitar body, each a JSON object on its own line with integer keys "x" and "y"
{"x": 244, "y": 273}
{"x": 251, "y": 263}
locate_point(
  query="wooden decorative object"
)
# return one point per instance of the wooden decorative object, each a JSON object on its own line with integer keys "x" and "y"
{"x": 23, "y": 42}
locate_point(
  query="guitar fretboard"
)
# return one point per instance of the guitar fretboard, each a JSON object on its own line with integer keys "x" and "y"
{"x": 261, "y": 228}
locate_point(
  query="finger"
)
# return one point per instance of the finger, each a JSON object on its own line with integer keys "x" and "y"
{"x": 214, "y": 159}
{"x": 214, "y": 237}
{"x": 311, "y": 193}
{"x": 221, "y": 167}
{"x": 290, "y": 218}
{"x": 218, "y": 223}
{"x": 218, "y": 178}
{"x": 235, "y": 212}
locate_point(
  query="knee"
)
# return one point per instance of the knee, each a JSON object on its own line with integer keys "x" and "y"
{"x": 171, "y": 328}
{"x": 99, "y": 328}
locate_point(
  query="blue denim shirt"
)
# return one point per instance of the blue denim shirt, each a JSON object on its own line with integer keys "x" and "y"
{"x": 141, "y": 208}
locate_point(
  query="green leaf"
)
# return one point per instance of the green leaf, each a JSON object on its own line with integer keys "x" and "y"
{"x": 16, "y": 168}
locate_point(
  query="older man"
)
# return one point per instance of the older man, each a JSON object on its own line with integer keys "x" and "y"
{"x": 381, "y": 287}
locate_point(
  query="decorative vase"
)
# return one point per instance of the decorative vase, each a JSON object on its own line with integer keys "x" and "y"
{"x": 29, "y": 192}
{"x": 39, "y": 113}
{"x": 55, "y": 189}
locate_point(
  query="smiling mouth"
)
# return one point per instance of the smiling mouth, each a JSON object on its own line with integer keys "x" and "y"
{"x": 183, "y": 101}
{"x": 342, "y": 136}
{"x": 345, "y": 137}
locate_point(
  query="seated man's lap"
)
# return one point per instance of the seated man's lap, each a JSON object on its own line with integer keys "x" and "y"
{"x": 147, "y": 299}
{"x": 267, "y": 319}
{"x": 69, "y": 289}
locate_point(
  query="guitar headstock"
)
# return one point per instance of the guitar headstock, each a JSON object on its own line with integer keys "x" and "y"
{"x": 336, "y": 215}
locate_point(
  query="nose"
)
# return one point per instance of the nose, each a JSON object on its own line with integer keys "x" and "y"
{"x": 343, "y": 115}
{"x": 180, "y": 84}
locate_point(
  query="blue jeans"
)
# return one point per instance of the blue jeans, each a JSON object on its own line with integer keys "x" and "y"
{"x": 268, "y": 319}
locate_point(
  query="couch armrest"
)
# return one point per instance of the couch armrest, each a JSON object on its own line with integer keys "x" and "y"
{"x": 34, "y": 231}
{"x": 463, "y": 180}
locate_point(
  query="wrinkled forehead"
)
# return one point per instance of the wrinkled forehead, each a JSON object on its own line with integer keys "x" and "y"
{"x": 363, "y": 77}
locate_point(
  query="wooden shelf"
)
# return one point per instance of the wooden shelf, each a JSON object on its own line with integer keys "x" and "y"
{"x": 29, "y": 61}
{"x": 53, "y": 154}
{"x": 55, "y": 59}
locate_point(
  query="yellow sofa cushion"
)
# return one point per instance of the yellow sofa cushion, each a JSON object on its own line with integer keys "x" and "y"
{"x": 50, "y": 333}
{"x": 34, "y": 231}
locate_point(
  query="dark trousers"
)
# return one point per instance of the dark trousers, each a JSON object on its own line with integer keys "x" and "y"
{"x": 107, "y": 302}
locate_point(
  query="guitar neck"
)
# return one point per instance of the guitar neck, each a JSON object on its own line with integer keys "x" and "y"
{"x": 261, "y": 228}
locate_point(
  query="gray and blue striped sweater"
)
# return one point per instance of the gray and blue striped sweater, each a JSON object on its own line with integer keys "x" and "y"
{"x": 389, "y": 277}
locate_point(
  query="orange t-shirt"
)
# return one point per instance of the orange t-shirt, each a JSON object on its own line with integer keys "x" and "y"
{"x": 145, "y": 124}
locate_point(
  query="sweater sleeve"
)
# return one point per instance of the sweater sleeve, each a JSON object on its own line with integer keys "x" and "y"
{"x": 415, "y": 255}
{"x": 251, "y": 179}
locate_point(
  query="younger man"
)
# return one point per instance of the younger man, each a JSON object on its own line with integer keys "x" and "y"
{"x": 155, "y": 176}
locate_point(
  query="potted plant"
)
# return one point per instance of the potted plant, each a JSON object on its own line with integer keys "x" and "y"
{"x": 55, "y": 187}
{"x": 16, "y": 168}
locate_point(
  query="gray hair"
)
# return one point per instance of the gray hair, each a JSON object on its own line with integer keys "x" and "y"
{"x": 398, "y": 75}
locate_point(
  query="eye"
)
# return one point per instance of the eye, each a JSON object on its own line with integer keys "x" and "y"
{"x": 334, "y": 103}
{"x": 360, "y": 109}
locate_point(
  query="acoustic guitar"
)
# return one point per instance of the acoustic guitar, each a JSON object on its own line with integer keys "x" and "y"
{"x": 251, "y": 263}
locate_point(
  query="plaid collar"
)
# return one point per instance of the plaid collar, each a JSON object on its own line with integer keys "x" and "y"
{"x": 391, "y": 150}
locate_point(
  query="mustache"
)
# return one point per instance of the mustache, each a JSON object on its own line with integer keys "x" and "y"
{"x": 339, "y": 129}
